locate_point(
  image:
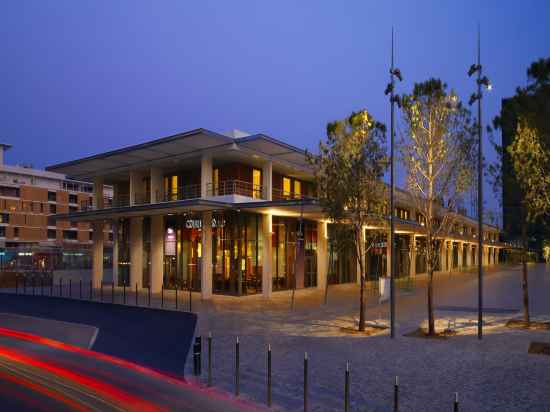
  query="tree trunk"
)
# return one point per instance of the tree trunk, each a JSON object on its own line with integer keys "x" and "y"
{"x": 362, "y": 305}
{"x": 431, "y": 320}
{"x": 525, "y": 283}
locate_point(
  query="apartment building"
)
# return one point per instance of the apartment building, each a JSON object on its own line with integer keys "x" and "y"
{"x": 30, "y": 238}
{"x": 236, "y": 214}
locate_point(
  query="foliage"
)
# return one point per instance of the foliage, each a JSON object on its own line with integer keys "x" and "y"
{"x": 531, "y": 163}
{"x": 348, "y": 174}
{"x": 437, "y": 148}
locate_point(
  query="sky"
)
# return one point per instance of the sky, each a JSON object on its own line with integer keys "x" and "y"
{"x": 82, "y": 77}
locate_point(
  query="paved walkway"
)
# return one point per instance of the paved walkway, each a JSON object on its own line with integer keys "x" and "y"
{"x": 494, "y": 374}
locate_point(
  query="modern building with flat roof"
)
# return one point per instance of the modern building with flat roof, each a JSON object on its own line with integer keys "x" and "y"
{"x": 30, "y": 238}
{"x": 224, "y": 213}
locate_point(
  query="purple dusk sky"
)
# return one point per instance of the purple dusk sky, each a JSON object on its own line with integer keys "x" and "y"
{"x": 82, "y": 77}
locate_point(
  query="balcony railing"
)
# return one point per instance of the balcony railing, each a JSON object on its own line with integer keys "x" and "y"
{"x": 119, "y": 201}
{"x": 235, "y": 187}
{"x": 182, "y": 193}
{"x": 279, "y": 194}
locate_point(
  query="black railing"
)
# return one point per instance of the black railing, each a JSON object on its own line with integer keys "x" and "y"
{"x": 235, "y": 187}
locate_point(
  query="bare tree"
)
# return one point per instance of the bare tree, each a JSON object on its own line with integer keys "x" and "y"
{"x": 437, "y": 151}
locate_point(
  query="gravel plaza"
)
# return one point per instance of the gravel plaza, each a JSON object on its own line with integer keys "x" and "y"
{"x": 496, "y": 374}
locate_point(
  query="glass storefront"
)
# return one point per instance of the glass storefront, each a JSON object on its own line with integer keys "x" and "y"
{"x": 182, "y": 252}
{"x": 342, "y": 265}
{"x": 294, "y": 259}
{"x": 237, "y": 253}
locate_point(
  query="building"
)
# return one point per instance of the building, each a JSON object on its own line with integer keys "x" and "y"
{"x": 30, "y": 238}
{"x": 251, "y": 192}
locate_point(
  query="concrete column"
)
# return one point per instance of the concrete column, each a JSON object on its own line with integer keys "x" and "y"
{"x": 443, "y": 257}
{"x": 322, "y": 255}
{"x": 97, "y": 253}
{"x": 412, "y": 251}
{"x": 267, "y": 181}
{"x": 157, "y": 253}
{"x": 468, "y": 254}
{"x": 206, "y": 175}
{"x": 484, "y": 260}
{"x": 114, "y": 228}
{"x": 157, "y": 189}
{"x": 267, "y": 256}
{"x": 136, "y": 252}
{"x": 98, "y": 193}
{"x": 460, "y": 250}
{"x": 206, "y": 256}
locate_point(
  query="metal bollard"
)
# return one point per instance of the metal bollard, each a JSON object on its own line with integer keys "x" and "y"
{"x": 24, "y": 286}
{"x": 80, "y": 288}
{"x": 197, "y": 347}
{"x": 113, "y": 292}
{"x": 91, "y": 291}
{"x": 176, "y": 297}
{"x": 60, "y": 287}
{"x": 137, "y": 294}
{"x": 455, "y": 407}
{"x": 149, "y": 295}
{"x": 190, "y": 301}
{"x": 51, "y": 287}
{"x": 33, "y": 286}
{"x": 17, "y": 285}
{"x": 70, "y": 288}
{"x": 209, "y": 358}
{"x": 42, "y": 286}
{"x": 305, "y": 382}
{"x": 101, "y": 292}
{"x": 162, "y": 295}
{"x": 396, "y": 395}
{"x": 346, "y": 389}
{"x": 269, "y": 375}
{"x": 237, "y": 364}
{"x": 124, "y": 292}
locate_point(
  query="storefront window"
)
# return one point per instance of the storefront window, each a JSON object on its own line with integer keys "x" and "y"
{"x": 237, "y": 253}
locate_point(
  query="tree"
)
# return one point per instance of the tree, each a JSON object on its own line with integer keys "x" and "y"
{"x": 437, "y": 150}
{"x": 348, "y": 174}
{"x": 524, "y": 163}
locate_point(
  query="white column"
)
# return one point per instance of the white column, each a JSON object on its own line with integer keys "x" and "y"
{"x": 97, "y": 254}
{"x": 206, "y": 174}
{"x": 322, "y": 255}
{"x": 114, "y": 228}
{"x": 412, "y": 248}
{"x": 157, "y": 189}
{"x": 98, "y": 193}
{"x": 267, "y": 256}
{"x": 468, "y": 247}
{"x": 443, "y": 260}
{"x": 157, "y": 252}
{"x": 206, "y": 256}
{"x": 267, "y": 180}
{"x": 460, "y": 262}
{"x": 136, "y": 252}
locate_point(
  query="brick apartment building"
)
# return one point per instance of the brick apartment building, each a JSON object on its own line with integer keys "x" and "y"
{"x": 30, "y": 239}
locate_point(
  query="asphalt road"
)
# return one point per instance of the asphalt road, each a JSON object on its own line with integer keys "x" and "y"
{"x": 40, "y": 374}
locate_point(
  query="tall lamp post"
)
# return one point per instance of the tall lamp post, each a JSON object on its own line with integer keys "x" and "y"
{"x": 394, "y": 72}
{"x": 481, "y": 81}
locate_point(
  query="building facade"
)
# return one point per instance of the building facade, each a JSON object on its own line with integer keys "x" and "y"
{"x": 30, "y": 238}
{"x": 235, "y": 214}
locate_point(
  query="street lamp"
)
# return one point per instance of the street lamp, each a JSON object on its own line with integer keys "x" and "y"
{"x": 481, "y": 81}
{"x": 390, "y": 89}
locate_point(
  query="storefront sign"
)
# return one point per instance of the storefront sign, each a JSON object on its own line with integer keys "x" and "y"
{"x": 197, "y": 223}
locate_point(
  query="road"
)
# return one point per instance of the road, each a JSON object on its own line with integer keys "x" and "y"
{"x": 40, "y": 374}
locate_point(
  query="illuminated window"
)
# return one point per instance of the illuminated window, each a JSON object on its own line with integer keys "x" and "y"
{"x": 297, "y": 188}
{"x": 256, "y": 183}
{"x": 286, "y": 186}
{"x": 174, "y": 187}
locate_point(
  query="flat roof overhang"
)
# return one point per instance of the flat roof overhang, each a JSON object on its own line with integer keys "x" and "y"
{"x": 167, "y": 151}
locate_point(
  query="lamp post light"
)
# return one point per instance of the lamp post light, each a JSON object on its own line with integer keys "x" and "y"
{"x": 481, "y": 81}
{"x": 390, "y": 89}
